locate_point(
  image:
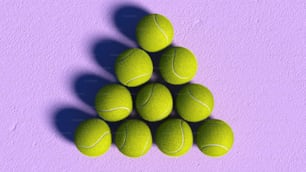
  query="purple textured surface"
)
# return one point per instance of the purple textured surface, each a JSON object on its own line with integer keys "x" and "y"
{"x": 251, "y": 54}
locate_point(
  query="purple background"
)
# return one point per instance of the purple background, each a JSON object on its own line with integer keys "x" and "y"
{"x": 251, "y": 54}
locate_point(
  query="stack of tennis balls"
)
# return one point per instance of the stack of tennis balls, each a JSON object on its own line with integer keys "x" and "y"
{"x": 154, "y": 102}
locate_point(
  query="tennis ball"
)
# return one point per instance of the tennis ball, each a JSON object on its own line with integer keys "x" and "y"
{"x": 194, "y": 102}
{"x": 133, "y": 67}
{"x": 133, "y": 138}
{"x": 113, "y": 102}
{"x": 174, "y": 137}
{"x": 93, "y": 137}
{"x": 154, "y": 32}
{"x": 178, "y": 65}
{"x": 154, "y": 102}
{"x": 215, "y": 137}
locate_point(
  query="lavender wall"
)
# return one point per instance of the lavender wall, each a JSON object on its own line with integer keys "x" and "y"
{"x": 251, "y": 54}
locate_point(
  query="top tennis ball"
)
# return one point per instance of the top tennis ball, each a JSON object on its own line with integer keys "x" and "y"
{"x": 154, "y": 32}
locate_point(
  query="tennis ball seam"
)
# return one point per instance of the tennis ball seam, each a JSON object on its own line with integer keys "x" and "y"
{"x": 125, "y": 136}
{"x": 149, "y": 97}
{"x": 159, "y": 27}
{"x": 126, "y": 57}
{"x": 98, "y": 140}
{"x": 214, "y": 145}
{"x": 136, "y": 77}
{"x": 145, "y": 146}
{"x": 183, "y": 141}
{"x": 197, "y": 100}
{"x": 173, "y": 69}
{"x": 165, "y": 112}
{"x": 113, "y": 109}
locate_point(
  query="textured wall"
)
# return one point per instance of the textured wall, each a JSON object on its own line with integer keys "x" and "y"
{"x": 251, "y": 54}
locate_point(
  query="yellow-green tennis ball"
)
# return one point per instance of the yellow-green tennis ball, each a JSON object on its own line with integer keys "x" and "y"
{"x": 154, "y": 102}
{"x": 154, "y": 32}
{"x": 133, "y": 138}
{"x": 194, "y": 102}
{"x": 113, "y": 102}
{"x": 174, "y": 137}
{"x": 215, "y": 137}
{"x": 93, "y": 137}
{"x": 178, "y": 65}
{"x": 133, "y": 67}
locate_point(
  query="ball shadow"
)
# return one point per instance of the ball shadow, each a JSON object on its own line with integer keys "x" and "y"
{"x": 126, "y": 18}
{"x": 194, "y": 127}
{"x": 66, "y": 119}
{"x": 86, "y": 87}
{"x": 105, "y": 51}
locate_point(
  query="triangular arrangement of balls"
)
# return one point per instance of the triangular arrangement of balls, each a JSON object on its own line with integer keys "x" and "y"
{"x": 154, "y": 102}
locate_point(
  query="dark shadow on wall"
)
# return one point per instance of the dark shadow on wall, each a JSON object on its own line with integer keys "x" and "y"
{"x": 126, "y": 18}
{"x": 104, "y": 52}
{"x": 67, "y": 118}
{"x": 85, "y": 86}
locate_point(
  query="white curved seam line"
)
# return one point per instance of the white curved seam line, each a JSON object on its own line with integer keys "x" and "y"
{"x": 217, "y": 145}
{"x": 99, "y": 139}
{"x": 144, "y": 149}
{"x": 139, "y": 76}
{"x": 112, "y": 109}
{"x": 173, "y": 59}
{"x": 165, "y": 112}
{"x": 159, "y": 28}
{"x": 195, "y": 99}
{"x": 125, "y": 136}
{"x": 183, "y": 140}
{"x": 147, "y": 100}
{"x": 124, "y": 58}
